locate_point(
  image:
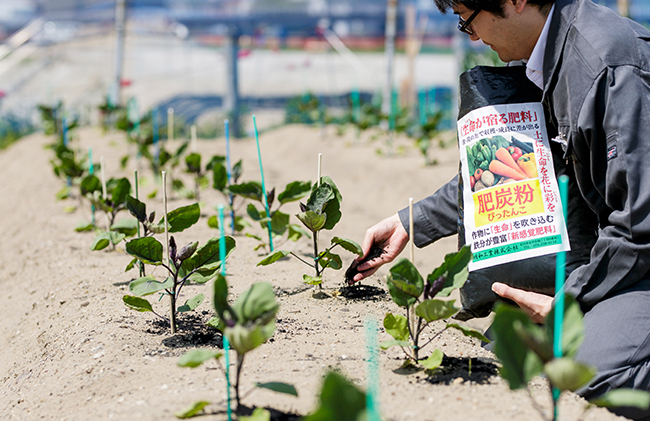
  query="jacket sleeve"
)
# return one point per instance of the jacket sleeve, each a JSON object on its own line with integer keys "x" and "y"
{"x": 434, "y": 217}
{"x": 610, "y": 148}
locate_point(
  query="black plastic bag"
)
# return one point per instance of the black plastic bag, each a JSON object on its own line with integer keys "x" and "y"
{"x": 482, "y": 86}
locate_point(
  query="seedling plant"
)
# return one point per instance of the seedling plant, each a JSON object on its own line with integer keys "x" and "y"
{"x": 525, "y": 350}
{"x": 222, "y": 183}
{"x": 321, "y": 212}
{"x": 247, "y": 324}
{"x": 110, "y": 204}
{"x": 189, "y": 264}
{"x": 409, "y": 291}
{"x": 279, "y": 221}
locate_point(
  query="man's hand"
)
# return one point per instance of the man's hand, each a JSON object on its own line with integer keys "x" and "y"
{"x": 389, "y": 235}
{"x": 537, "y": 306}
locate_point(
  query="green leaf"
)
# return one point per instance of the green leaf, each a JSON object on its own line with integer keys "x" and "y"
{"x": 313, "y": 221}
{"x": 84, "y": 227}
{"x": 220, "y": 299}
{"x": 312, "y": 280}
{"x": 213, "y": 222}
{"x": 137, "y": 208}
{"x": 330, "y": 260}
{"x": 147, "y": 249}
{"x": 396, "y": 326}
{"x": 279, "y": 223}
{"x": 257, "y": 304}
{"x": 536, "y": 339}
{"x": 255, "y": 214}
{"x": 434, "y": 360}
{"x": 348, "y": 245}
{"x": 191, "y": 304}
{"x": 455, "y": 266}
{"x": 573, "y": 332}
{"x": 130, "y": 265}
{"x": 196, "y": 357}
{"x": 624, "y": 397}
{"x": 294, "y": 191}
{"x": 405, "y": 284}
{"x": 216, "y": 159}
{"x": 182, "y": 218}
{"x": 219, "y": 177}
{"x": 137, "y": 303}
{"x": 250, "y": 190}
{"x": 128, "y": 227}
{"x": 273, "y": 257}
{"x": 432, "y": 310}
{"x": 259, "y": 414}
{"x": 469, "y": 331}
{"x": 120, "y": 191}
{"x": 148, "y": 285}
{"x": 90, "y": 184}
{"x": 296, "y": 232}
{"x": 105, "y": 238}
{"x": 244, "y": 339}
{"x": 339, "y": 400}
{"x": 193, "y": 162}
{"x": 567, "y": 374}
{"x": 209, "y": 255}
{"x": 279, "y": 387}
{"x": 192, "y": 411}
{"x": 319, "y": 197}
{"x": 519, "y": 363}
{"x": 394, "y": 342}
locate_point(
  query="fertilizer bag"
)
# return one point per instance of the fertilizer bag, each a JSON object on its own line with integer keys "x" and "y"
{"x": 493, "y": 86}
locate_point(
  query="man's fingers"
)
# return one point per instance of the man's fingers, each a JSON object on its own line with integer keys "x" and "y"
{"x": 505, "y": 291}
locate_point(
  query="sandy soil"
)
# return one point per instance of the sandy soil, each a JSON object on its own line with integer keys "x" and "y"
{"x": 71, "y": 350}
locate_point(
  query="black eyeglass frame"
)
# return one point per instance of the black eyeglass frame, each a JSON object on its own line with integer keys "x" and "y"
{"x": 464, "y": 25}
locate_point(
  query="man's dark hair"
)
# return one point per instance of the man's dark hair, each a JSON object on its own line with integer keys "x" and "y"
{"x": 492, "y": 6}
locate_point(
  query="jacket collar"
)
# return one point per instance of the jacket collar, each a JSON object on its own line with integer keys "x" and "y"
{"x": 561, "y": 21}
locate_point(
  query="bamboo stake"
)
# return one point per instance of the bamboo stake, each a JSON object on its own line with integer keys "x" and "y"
{"x": 170, "y": 123}
{"x": 231, "y": 197}
{"x": 172, "y": 298}
{"x": 194, "y": 142}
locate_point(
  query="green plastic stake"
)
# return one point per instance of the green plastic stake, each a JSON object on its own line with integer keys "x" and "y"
{"x": 422, "y": 100}
{"x": 356, "y": 105}
{"x": 222, "y": 242}
{"x": 91, "y": 170}
{"x": 560, "y": 263}
{"x": 226, "y": 349}
{"x": 266, "y": 203}
{"x": 372, "y": 371}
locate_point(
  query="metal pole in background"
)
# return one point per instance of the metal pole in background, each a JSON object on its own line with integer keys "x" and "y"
{"x": 120, "y": 16}
{"x": 391, "y": 20}
{"x": 232, "y": 101}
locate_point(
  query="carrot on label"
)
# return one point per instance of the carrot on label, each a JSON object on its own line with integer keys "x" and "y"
{"x": 498, "y": 167}
{"x": 504, "y": 156}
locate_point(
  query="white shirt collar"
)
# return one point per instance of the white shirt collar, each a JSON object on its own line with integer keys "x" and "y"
{"x": 535, "y": 64}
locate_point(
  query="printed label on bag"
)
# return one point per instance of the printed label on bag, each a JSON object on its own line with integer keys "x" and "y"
{"x": 512, "y": 203}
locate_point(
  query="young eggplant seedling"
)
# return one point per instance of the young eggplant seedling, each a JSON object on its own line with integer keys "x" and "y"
{"x": 280, "y": 221}
{"x": 408, "y": 290}
{"x": 321, "y": 212}
{"x": 247, "y": 324}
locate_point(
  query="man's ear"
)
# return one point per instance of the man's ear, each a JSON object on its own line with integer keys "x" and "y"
{"x": 518, "y": 5}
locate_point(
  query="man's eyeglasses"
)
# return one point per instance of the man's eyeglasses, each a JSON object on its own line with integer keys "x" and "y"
{"x": 463, "y": 25}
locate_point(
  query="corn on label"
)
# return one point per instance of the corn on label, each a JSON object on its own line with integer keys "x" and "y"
{"x": 512, "y": 203}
